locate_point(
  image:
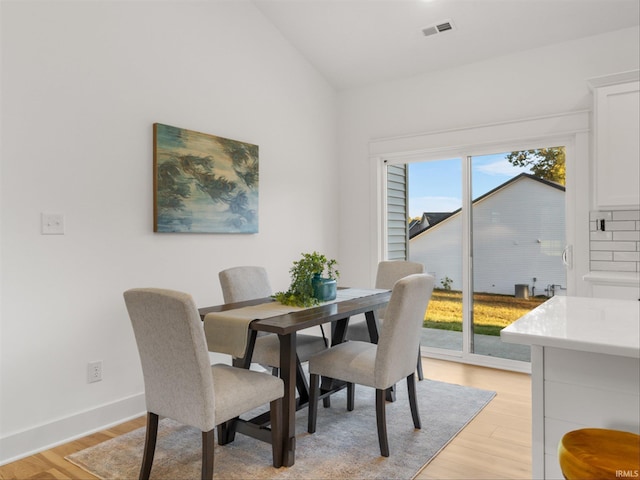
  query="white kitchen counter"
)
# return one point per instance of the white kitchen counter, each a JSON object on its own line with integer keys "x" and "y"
{"x": 585, "y": 370}
{"x": 596, "y": 325}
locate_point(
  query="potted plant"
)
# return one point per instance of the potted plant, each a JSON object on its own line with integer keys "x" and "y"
{"x": 313, "y": 280}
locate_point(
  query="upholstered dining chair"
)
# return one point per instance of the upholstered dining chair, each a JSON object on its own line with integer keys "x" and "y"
{"x": 251, "y": 282}
{"x": 389, "y": 272}
{"x": 379, "y": 366}
{"x": 244, "y": 283}
{"x": 181, "y": 384}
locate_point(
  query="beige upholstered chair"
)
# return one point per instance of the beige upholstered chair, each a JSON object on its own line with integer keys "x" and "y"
{"x": 181, "y": 384}
{"x": 379, "y": 366}
{"x": 248, "y": 283}
{"x": 389, "y": 272}
{"x": 244, "y": 283}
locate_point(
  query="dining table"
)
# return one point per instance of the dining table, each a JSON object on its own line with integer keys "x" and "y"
{"x": 349, "y": 302}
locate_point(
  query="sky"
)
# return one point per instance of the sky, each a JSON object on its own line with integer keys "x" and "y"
{"x": 437, "y": 186}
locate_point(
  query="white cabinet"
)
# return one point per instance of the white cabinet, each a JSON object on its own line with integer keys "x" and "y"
{"x": 617, "y": 285}
{"x": 584, "y": 389}
{"x": 616, "y": 291}
{"x": 616, "y": 141}
{"x": 585, "y": 370}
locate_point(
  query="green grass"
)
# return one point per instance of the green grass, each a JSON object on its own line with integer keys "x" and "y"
{"x": 492, "y": 312}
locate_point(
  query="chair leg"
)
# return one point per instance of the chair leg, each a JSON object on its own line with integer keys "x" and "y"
{"x": 149, "y": 445}
{"x": 351, "y": 390}
{"x": 208, "y": 441}
{"x": 276, "y": 432}
{"x": 314, "y": 380}
{"x": 413, "y": 400}
{"x": 381, "y": 419}
{"x": 419, "y": 366}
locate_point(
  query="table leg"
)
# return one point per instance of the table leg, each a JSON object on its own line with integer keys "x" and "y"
{"x": 338, "y": 335}
{"x": 245, "y": 362}
{"x": 372, "y": 325}
{"x": 288, "y": 375}
{"x": 227, "y": 431}
{"x": 301, "y": 384}
{"x": 339, "y": 331}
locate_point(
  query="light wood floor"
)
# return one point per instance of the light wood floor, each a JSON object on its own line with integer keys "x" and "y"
{"x": 495, "y": 445}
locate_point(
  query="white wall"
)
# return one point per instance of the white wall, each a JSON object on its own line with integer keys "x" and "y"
{"x": 539, "y": 82}
{"x": 82, "y": 83}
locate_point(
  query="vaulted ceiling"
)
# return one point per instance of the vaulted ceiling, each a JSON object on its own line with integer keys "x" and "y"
{"x": 359, "y": 42}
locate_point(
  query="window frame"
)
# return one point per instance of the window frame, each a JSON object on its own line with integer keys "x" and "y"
{"x": 570, "y": 130}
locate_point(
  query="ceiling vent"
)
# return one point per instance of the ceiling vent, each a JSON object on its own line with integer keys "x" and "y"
{"x": 439, "y": 27}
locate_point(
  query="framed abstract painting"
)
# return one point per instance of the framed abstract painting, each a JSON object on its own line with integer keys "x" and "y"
{"x": 203, "y": 183}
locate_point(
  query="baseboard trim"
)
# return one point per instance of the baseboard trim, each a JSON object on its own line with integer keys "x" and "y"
{"x": 57, "y": 432}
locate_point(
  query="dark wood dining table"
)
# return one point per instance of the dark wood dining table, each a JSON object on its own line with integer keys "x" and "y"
{"x": 286, "y": 327}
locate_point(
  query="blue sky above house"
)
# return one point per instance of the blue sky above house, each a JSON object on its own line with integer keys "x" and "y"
{"x": 436, "y": 186}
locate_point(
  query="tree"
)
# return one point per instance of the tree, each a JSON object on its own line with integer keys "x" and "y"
{"x": 547, "y": 163}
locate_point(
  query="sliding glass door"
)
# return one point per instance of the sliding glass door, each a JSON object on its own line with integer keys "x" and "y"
{"x": 435, "y": 240}
{"x": 517, "y": 240}
{"x": 491, "y": 229}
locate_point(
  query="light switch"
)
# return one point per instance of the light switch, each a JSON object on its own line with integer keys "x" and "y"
{"x": 52, "y": 224}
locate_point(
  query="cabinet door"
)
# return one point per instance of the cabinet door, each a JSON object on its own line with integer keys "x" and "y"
{"x": 617, "y": 145}
{"x": 615, "y": 291}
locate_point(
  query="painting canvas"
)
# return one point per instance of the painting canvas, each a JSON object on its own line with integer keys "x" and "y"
{"x": 203, "y": 183}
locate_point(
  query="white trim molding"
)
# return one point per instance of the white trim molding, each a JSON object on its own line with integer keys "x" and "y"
{"x": 57, "y": 432}
{"x": 482, "y": 137}
{"x": 571, "y": 129}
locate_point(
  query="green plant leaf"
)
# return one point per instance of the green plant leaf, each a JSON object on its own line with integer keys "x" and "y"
{"x": 300, "y": 291}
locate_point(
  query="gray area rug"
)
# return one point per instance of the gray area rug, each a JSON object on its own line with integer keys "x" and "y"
{"x": 345, "y": 445}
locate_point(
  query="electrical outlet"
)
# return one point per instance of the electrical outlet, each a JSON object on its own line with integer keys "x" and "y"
{"x": 94, "y": 371}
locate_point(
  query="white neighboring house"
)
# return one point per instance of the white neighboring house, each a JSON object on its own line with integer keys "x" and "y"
{"x": 518, "y": 231}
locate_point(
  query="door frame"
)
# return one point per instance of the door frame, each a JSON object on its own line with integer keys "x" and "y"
{"x": 570, "y": 130}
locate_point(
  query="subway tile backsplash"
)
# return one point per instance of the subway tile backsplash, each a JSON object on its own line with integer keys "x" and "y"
{"x": 616, "y": 248}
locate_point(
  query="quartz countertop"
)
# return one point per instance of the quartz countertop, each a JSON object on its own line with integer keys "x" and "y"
{"x": 596, "y": 325}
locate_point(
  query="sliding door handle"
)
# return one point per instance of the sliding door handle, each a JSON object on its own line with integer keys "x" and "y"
{"x": 567, "y": 256}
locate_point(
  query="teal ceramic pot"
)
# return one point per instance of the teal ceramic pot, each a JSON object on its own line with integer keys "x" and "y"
{"x": 324, "y": 289}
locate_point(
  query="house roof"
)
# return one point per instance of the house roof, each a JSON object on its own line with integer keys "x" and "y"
{"x": 429, "y": 219}
{"x": 418, "y": 228}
